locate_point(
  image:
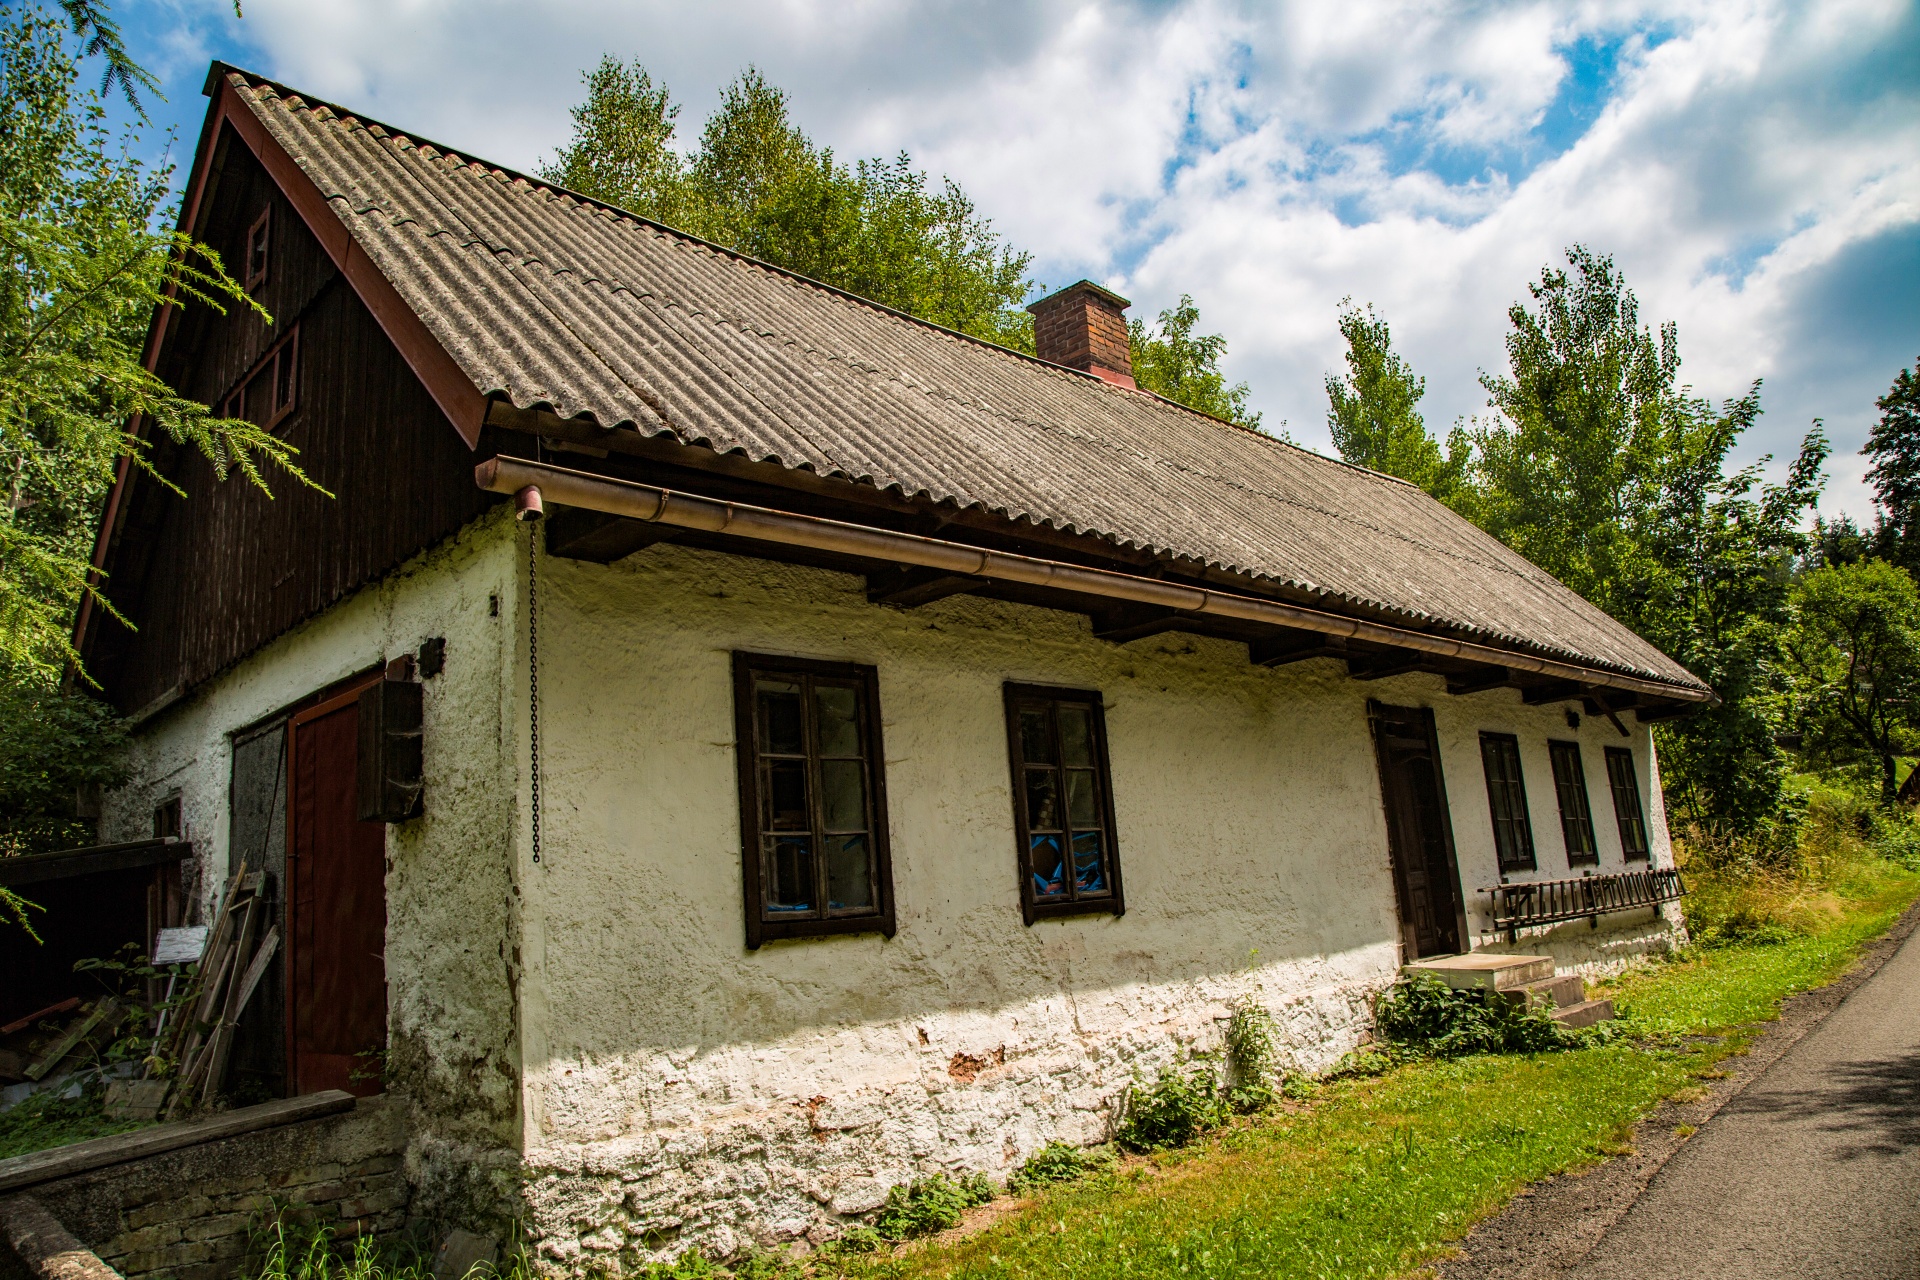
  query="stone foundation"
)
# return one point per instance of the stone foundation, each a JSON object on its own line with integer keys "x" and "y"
{"x": 727, "y": 1176}
{"x": 188, "y": 1214}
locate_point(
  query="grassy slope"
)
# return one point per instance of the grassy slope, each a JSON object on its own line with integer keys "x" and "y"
{"x": 1378, "y": 1175}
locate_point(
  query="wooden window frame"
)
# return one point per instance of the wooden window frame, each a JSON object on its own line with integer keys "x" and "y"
{"x": 259, "y": 233}
{"x": 1523, "y": 823}
{"x": 1576, "y": 826}
{"x": 759, "y": 927}
{"x": 1631, "y": 814}
{"x": 284, "y": 352}
{"x": 1031, "y": 908}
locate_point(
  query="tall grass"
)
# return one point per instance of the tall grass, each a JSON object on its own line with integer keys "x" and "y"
{"x": 1837, "y": 849}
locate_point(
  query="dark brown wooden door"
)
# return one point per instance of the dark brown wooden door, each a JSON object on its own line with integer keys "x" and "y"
{"x": 336, "y": 909}
{"x": 1419, "y": 831}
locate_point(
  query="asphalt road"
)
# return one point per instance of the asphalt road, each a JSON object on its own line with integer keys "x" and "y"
{"x": 1812, "y": 1171}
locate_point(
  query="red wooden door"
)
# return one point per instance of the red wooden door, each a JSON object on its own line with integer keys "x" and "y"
{"x": 336, "y": 909}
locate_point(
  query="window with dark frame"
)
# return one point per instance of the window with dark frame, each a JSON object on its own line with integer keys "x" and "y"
{"x": 166, "y": 819}
{"x": 1576, "y": 815}
{"x": 270, "y": 391}
{"x": 258, "y": 250}
{"x": 1507, "y": 798}
{"x": 813, "y": 810}
{"x": 1069, "y": 863}
{"x": 1624, "y": 780}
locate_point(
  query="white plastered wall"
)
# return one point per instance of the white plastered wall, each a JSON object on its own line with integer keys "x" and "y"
{"x": 684, "y": 1090}
{"x": 450, "y": 902}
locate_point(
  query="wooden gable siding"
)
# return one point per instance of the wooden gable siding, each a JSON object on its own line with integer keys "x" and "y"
{"x": 211, "y": 577}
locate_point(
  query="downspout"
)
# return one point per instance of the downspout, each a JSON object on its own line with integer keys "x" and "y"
{"x": 689, "y": 511}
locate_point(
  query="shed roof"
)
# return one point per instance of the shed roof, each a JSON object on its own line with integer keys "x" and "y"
{"x": 548, "y": 300}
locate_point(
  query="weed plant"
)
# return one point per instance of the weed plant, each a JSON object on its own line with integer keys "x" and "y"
{"x": 927, "y": 1205}
{"x": 1183, "y": 1103}
{"x": 1059, "y": 1162}
{"x": 286, "y": 1248}
{"x": 1423, "y": 1017}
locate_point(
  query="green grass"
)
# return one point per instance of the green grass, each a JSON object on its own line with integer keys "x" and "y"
{"x": 1379, "y": 1175}
{"x": 44, "y": 1121}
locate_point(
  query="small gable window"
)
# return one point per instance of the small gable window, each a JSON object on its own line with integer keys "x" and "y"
{"x": 270, "y": 391}
{"x": 1062, "y": 802}
{"x": 1576, "y": 816}
{"x": 1625, "y": 782}
{"x": 1507, "y": 798}
{"x": 813, "y": 804}
{"x": 258, "y": 250}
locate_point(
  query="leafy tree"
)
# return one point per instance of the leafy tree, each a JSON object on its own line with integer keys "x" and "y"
{"x": 1373, "y": 412}
{"x": 1894, "y": 446}
{"x": 1599, "y": 466}
{"x": 756, "y": 183}
{"x": 1173, "y": 361}
{"x": 87, "y": 263}
{"x": 1853, "y": 652}
{"x": 56, "y": 748}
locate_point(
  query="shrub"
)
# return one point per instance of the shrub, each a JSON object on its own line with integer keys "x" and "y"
{"x": 931, "y": 1204}
{"x": 1424, "y": 1017}
{"x": 1177, "y": 1108}
{"x": 1059, "y": 1162}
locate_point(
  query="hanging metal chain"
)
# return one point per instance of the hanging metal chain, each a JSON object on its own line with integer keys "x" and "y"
{"x": 533, "y": 672}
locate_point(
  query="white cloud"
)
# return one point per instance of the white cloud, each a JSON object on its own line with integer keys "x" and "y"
{"x": 1754, "y": 165}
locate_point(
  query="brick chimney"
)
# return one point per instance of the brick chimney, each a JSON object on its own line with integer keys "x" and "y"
{"x": 1084, "y": 327}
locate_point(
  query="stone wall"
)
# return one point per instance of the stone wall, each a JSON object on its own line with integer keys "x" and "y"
{"x": 188, "y": 1214}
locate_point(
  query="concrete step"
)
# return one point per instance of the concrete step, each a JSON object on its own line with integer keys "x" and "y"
{"x": 1549, "y": 993}
{"x": 1584, "y": 1014}
{"x": 1484, "y": 969}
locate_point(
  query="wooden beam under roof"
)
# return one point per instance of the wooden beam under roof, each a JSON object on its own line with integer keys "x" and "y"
{"x": 1480, "y": 681}
{"x": 1380, "y": 666}
{"x": 1281, "y": 649}
{"x": 911, "y": 588}
{"x": 1137, "y": 622}
{"x": 1552, "y": 691}
{"x": 576, "y": 534}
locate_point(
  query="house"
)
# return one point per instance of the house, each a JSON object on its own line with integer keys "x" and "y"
{"x": 886, "y": 746}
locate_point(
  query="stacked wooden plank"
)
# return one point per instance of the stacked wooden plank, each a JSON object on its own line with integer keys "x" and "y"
{"x": 194, "y": 1050}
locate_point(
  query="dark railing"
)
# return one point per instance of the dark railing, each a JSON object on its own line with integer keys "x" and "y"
{"x": 1519, "y": 906}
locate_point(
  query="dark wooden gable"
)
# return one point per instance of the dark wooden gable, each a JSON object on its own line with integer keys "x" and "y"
{"x": 208, "y": 578}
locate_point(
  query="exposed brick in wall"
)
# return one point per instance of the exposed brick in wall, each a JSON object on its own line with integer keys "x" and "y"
{"x": 188, "y": 1214}
{"x": 1084, "y": 327}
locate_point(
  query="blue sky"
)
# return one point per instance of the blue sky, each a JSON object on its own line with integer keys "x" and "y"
{"x": 1754, "y": 167}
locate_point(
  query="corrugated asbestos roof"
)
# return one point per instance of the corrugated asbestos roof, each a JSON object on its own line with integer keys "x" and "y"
{"x": 556, "y": 302}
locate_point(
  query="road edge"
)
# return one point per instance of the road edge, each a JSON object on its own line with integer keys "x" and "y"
{"x": 1551, "y": 1225}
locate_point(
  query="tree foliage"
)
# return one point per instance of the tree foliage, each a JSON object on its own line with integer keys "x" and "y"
{"x": 1373, "y": 413}
{"x": 1894, "y": 446}
{"x": 88, "y": 262}
{"x": 1853, "y": 654}
{"x": 86, "y": 266}
{"x": 1602, "y": 468}
{"x": 1170, "y": 359}
{"x": 757, "y": 184}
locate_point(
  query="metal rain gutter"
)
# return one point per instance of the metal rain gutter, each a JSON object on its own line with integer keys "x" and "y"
{"x": 689, "y": 511}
